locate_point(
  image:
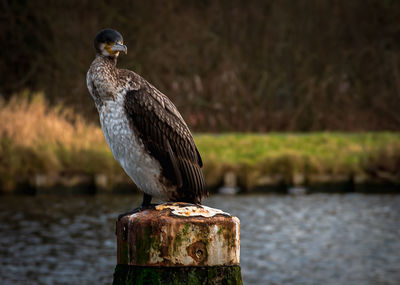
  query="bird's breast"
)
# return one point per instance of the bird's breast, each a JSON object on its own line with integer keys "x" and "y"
{"x": 129, "y": 151}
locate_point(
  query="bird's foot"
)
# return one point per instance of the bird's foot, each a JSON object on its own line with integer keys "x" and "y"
{"x": 137, "y": 210}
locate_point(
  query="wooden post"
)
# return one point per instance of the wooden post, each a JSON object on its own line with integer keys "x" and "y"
{"x": 178, "y": 243}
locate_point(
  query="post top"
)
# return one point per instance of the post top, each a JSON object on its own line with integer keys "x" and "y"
{"x": 190, "y": 210}
{"x": 179, "y": 234}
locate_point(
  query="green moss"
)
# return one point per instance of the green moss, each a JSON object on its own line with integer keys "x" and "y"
{"x": 182, "y": 236}
{"x": 193, "y": 279}
{"x": 190, "y": 275}
{"x": 186, "y": 228}
{"x": 148, "y": 276}
{"x": 178, "y": 241}
{"x": 145, "y": 241}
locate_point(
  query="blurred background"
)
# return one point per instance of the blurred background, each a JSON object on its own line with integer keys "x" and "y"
{"x": 285, "y": 98}
{"x": 227, "y": 65}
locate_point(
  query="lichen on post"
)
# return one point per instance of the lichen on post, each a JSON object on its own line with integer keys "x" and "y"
{"x": 178, "y": 243}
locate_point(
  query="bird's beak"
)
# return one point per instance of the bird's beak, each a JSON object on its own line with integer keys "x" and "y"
{"x": 119, "y": 47}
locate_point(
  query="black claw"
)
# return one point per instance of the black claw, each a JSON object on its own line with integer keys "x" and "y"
{"x": 137, "y": 210}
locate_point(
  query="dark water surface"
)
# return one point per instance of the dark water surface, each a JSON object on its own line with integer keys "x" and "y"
{"x": 315, "y": 239}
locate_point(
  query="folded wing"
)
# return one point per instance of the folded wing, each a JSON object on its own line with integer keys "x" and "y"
{"x": 168, "y": 139}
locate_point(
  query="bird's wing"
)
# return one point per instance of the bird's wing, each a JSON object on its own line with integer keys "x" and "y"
{"x": 166, "y": 136}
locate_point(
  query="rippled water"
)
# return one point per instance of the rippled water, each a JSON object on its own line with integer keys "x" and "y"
{"x": 315, "y": 239}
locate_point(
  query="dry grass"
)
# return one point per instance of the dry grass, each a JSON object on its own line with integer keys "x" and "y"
{"x": 36, "y": 138}
{"x": 31, "y": 122}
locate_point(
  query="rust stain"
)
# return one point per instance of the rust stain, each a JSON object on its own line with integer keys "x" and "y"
{"x": 158, "y": 237}
{"x": 198, "y": 251}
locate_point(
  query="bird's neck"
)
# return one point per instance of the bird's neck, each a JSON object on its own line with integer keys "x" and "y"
{"x": 108, "y": 60}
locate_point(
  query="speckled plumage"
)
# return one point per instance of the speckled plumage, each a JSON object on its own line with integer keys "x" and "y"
{"x": 146, "y": 133}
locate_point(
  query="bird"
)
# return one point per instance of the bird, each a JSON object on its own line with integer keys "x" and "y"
{"x": 144, "y": 130}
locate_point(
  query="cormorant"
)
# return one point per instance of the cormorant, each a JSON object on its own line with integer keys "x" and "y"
{"x": 143, "y": 128}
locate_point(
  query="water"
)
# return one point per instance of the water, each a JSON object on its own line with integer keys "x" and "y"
{"x": 315, "y": 239}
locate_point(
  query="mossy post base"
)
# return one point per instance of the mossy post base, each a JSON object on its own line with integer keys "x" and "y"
{"x": 178, "y": 243}
{"x": 213, "y": 275}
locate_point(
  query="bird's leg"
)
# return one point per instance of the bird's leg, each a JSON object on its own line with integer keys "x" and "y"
{"x": 146, "y": 204}
{"x": 146, "y": 200}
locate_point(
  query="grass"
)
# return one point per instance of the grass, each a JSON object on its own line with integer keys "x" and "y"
{"x": 36, "y": 138}
{"x": 252, "y": 156}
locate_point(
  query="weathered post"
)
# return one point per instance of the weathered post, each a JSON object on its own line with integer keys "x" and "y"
{"x": 178, "y": 243}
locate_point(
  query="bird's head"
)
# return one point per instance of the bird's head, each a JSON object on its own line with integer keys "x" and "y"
{"x": 109, "y": 42}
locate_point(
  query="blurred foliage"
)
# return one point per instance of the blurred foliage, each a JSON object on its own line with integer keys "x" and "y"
{"x": 36, "y": 138}
{"x": 252, "y": 156}
{"x": 228, "y": 65}
{"x": 39, "y": 139}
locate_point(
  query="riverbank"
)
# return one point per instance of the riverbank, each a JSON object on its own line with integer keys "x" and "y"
{"x": 44, "y": 148}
